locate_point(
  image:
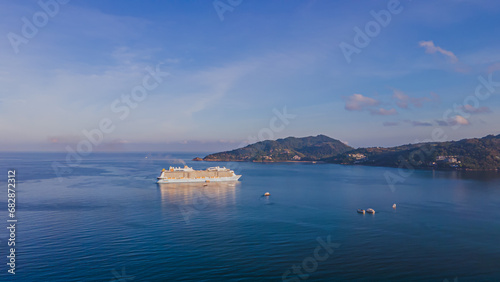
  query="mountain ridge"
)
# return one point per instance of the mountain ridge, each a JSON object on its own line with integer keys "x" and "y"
{"x": 469, "y": 153}
{"x": 310, "y": 148}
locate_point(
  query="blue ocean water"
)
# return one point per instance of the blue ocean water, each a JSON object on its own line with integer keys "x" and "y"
{"x": 107, "y": 220}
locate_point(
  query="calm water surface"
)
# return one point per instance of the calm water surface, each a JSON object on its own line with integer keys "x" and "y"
{"x": 107, "y": 220}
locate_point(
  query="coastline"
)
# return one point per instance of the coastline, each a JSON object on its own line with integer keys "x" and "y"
{"x": 222, "y": 160}
{"x": 323, "y": 162}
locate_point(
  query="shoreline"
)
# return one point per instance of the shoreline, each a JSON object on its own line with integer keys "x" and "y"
{"x": 323, "y": 162}
{"x": 220, "y": 160}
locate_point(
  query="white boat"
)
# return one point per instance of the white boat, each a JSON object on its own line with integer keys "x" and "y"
{"x": 372, "y": 211}
{"x": 188, "y": 174}
{"x": 361, "y": 211}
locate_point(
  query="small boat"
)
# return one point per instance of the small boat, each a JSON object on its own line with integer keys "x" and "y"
{"x": 370, "y": 211}
{"x": 267, "y": 194}
{"x": 361, "y": 211}
{"x": 394, "y": 206}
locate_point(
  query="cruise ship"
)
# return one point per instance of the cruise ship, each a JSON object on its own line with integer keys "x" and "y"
{"x": 188, "y": 174}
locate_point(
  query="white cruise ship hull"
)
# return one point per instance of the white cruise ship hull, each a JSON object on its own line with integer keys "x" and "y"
{"x": 189, "y": 175}
{"x": 194, "y": 180}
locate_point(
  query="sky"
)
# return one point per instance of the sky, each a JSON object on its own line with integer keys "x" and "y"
{"x": 209, "y": 76}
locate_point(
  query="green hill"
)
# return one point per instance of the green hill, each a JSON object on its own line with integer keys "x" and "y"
{"x": 310, "y": 148}
{"x": 477, "y": 154}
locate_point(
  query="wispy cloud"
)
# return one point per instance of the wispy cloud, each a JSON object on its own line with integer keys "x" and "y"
{"x": 404, "y": 101}
{"x": 390, "y": 123}
{"x": 493, "y": 67}
{"x": 431, "y": 48}
{"x": 383, "y": 112}
{"x": 215, "y": 84}
{"x": 455, "y": 120}
{"x": 358, "y": 102}
{"x": 459, "y": 120}
{"x": 421, "y": 123}
{"x": 416, "y": 123}
{"x": 441, "y": 122}
{"x": 475, "y": 110}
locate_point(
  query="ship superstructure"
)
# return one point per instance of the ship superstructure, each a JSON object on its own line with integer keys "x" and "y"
{"x": 188, "y": 174}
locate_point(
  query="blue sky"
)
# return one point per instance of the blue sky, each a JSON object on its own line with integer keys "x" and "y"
{"x": 227, "y": 77}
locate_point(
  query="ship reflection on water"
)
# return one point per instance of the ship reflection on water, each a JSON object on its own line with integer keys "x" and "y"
{"x": 199, "y": 196}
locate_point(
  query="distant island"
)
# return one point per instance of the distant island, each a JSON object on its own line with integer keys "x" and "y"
{"x": 472, "y": 154}
{"x": 287, "y": 149}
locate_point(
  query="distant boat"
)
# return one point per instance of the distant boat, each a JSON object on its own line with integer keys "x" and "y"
{"x": 361, "y": 211}
{"x": 370, "y": 211}
{"x": 394, "y": 206}
{"x": 267, "y": 194}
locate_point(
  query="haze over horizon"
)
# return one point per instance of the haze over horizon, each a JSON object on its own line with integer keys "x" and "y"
{"x": 216, "y": 79}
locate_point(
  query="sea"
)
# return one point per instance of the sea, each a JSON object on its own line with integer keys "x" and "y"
{"x": 103, "y": 217}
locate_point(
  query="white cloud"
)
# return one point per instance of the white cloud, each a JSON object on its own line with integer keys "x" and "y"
{"x": 458, "y": 120}
{"x": 404, "y": 101}
{"x": 358, "y": 102}
{"x": 431, "y": 48}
